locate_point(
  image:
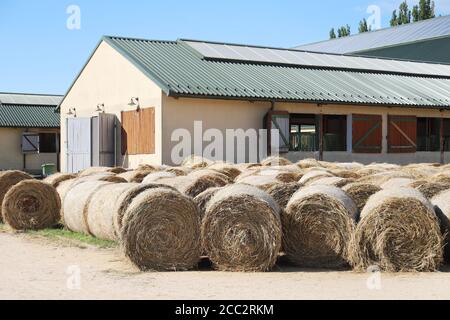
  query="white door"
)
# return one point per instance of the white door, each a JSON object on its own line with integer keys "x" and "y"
{"x": 78, "y": 144}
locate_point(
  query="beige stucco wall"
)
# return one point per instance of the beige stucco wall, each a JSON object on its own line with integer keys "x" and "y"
{"x": 230, "y": 114}
{"x": 11, "y": 156}
{"x": 111, "y": 79}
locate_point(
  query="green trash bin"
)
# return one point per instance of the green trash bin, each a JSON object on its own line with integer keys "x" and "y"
{"x": 48, "y": 169}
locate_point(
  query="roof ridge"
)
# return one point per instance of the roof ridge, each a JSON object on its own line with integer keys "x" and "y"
{"x": 364, "y": 34}
{"x": 32, "y": 94}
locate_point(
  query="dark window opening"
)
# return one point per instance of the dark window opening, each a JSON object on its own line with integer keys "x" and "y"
{"x": 47, "y": 143}
{"x": 334, "y": 133}
{"x": 446, "y": 135}
{"x": 428, "y": 134}
{"x": 304, "y": 133}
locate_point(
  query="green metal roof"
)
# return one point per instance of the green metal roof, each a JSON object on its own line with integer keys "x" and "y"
{"x": 28, "y": 116}
{"x": 181, "y": 71}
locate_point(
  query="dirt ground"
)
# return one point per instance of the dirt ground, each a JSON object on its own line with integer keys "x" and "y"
{"x": 37, "y": 268}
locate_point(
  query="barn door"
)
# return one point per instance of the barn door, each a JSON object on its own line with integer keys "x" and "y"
{"x": 402, "y": 134}
{"x": 78, "y": 144}
{"x": 103, "y": 140}
{"x": 367, "y": 133}
{"x": 278, "y": 120}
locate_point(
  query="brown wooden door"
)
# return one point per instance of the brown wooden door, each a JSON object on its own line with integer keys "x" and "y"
{"x": 402, "y": 134}
{"x": 367, "y": 133}
{"x": 138, "y": 131}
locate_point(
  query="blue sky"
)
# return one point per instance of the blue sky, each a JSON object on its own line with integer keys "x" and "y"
{"x": 39, "y": 54}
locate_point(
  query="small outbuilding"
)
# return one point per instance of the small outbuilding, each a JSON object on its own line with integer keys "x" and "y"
{"x": 29, "y": 131}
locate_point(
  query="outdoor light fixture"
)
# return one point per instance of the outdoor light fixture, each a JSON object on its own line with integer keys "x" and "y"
{"x": 72, "y": 112}
{"x": 100, "y": 107}
{"x": 134, "y": 102}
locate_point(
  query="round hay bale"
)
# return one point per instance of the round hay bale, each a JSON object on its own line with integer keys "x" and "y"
{"x": 96, "y": 170}
{"x": 155, "y": 176}
{"x": 314, "y": 175}
{"x": 63, "y": 188}
{"x": 382, "y": 177}
{"x": 76, "y": 203}
{"x": 317, "y": 226}
{"x": 31, "y": 205}
{"x": 195, "y": 162}
{"x": 443, "y": 177}
{"x": 398, "y": 232}
{"x": 57, "y": 178}
{"x": 161, "y": 231}
{"x": 441, "y": 204}
{"x": 148, "y": 167}
{"x": 100, "y": 211}
{"x": 247, "y": 166}
{"x": 283, "y": 192}
{"x": 289, "y": 177}
{"x": 231, "y": 171}
{"x": 349, "y": 166}
{"x": 308, "y": 163}
{"x": 346, "y": 174}
{"x": 396, "y": 183}
{"x": 429, "y": 189}
{"x": 214, "y": 175}
{"x": 203, "y": 198}
{"x": 332, "y": 181}
{"x": 178, "y": 171}
{"x": 103, "y": 176}
{"x": 360, "y": 192}
{"x": 7, "y": 180}
{"x": 241, "y": 230}
{"x": 124, "y": 200}
{"x": 275, "y": 161}
{"x": 192, "y": 186}
{"x": 135, "y": 176}
{"x": 262, "y": 182}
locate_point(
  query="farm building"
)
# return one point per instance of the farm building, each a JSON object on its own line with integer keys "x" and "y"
{"x": 133, "y": 94}
{"x": 427, "y": 40}
{"x": 29, "y": 131}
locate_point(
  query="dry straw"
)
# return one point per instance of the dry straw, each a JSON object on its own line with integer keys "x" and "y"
{"x": 7, "y": 180}
{"x": 360, "y": 193}
{"x": 398, "y": 232}
{"x": 135, "y": 176}
{"x": 430, "y": 189}
{"x": 161, "y": 231}
{"x": 96, "y": 170}
{"x": 192, "y": 186}
{"x": 241, "y": 230}
{"x": 155, "y": 176}
{"x": 75, "y": 205}
{"x": 442, "y": 206}
{"x": 332, "y": 181}
{"x": 31, "y": 205}
{"x": 314, "y": 175}
{"x": 57, "y": 178}
{"x": 101, "y": 209}
{"x": 195, "y": 162}
{"x": 283, "y": 192}
{"x": 124, "y": 200}
{"x": 203, "y": 198}
{"x": 317, "y": 226}
{"x": 275, "y": 161}
{"x": 396, "y": 183}
{"x": 308, "y": 163}
{"x": 231, "y": 171}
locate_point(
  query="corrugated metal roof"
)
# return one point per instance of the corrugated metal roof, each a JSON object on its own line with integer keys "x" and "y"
{"x": 408, "y": 33}
{"x": 30, "y": 99}
{"x": 181, "y": 71}
{"x": 220, "y": 51}
{"x": 28, "y": 116}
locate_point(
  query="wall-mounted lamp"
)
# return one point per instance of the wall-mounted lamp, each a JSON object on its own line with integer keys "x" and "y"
{"x": 100, "y": 107}
{"x": 72, "y": 112}
{"x": 135, "y": 103}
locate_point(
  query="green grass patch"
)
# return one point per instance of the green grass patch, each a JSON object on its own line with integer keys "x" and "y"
{"x": 68, "y": 236}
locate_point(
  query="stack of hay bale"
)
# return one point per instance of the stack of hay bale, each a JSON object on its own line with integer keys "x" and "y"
{"x": 243, "y": 217}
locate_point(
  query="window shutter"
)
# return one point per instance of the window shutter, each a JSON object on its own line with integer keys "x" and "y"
{"x": 279, "y": 120}
{"x": 367, "y": 133}
{"x": 402, "y": 134}
{"x": 30, "y": 143}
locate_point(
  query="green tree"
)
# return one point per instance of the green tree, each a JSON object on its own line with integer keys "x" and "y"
{"x": 404, "y": 14}
{"x": 363, "y": 27}
{"x": 332, "y": 34}
{"x": 344, "y": 31}
{"x": 415, "y": 13}
{"x": 394, "y": 19}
